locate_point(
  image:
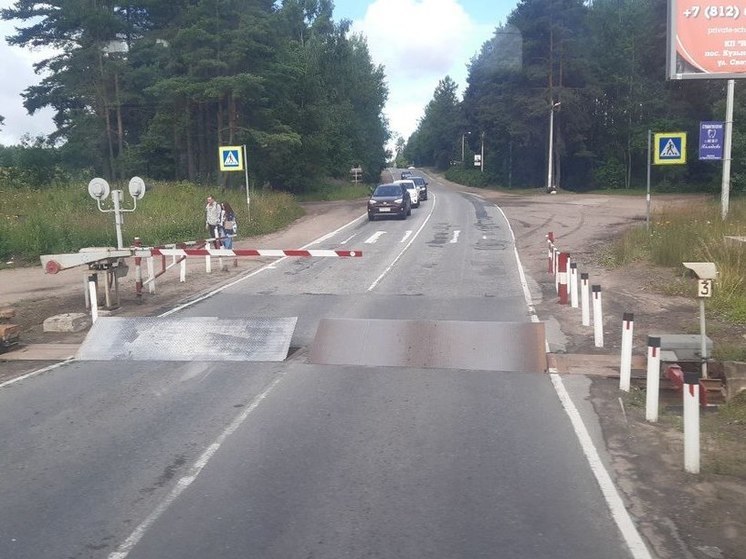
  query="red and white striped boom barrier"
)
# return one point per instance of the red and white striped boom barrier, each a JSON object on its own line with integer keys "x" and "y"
{"x": 302, "y": 253}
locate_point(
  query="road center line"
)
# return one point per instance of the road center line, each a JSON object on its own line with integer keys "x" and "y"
{"x": 127, "y": 545}
{"x": 407, "y": 234}
{"x": 387, "y": 270}
{"x": 456, "y": 234}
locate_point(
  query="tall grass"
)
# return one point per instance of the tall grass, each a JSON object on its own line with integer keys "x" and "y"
{"x": 690, "y": 234}
{"x": 66, "y": 219}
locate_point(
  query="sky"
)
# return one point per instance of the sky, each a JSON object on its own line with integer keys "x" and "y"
{"x": 418, "y": 42}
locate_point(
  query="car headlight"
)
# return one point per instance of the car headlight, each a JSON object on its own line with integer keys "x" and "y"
{"x": 398, "y": 200}
{"x": 372, "y": 202}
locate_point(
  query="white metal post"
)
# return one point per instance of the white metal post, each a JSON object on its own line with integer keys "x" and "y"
{"x": 625, "y": 367}
{"x": 598, "y": 317}
{"x": 94, "y": 297}
{"x": 728, "y": 142}
{"x": 653, "y": 379}
{"x": 116, "y": 196}
{"x": 703, "y": 337}
{"x": 553, "y": 106}
{"x": 691, "y": 422}
{"x": 481, "y": 162}
{"x": 208, "y": 264}
{"x": 585, "y": 302}
{"x": 151, "y": 275}
{"x": 182, "y": 271}
{"x": 574, "y": 285}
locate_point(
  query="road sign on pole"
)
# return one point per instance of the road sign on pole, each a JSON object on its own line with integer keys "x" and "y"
{"x": 711, "y": 135}
{"x": 670, "y": 148}
{"x": 231, "y": 158}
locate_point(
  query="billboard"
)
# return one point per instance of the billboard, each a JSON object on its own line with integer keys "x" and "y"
{"x": 706, "y": 41}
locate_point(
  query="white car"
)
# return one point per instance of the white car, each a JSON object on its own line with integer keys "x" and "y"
{"x": 414, "y": 192}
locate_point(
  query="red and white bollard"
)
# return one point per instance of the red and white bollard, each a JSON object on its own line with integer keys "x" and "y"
{"x": 653, "y": 380}
{"x": 598, "y": 317}
{"x": 585, "y": 299}
{"x": 138, "y": 270}
{"x": 625, "y": 367}
{"x": 550, "y": 252}
{"x": 563, "y": 292}
{"x": 691, "y": 422}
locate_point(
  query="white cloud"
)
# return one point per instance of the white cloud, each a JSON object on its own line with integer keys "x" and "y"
{"x": 419, "y": 42}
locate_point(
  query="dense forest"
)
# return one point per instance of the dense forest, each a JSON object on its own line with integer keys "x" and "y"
{"x": 601, "y": 66}
{"x": 153, "y": 88}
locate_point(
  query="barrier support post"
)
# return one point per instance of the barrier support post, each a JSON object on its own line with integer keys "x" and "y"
{"x": 625, "y": 367}
{"x": 653, "y": 379}
{"x": 93, "y": 294}
{"x": 151, "y": 275}
{"x": 138, "y": 271}
{"x": 691, "y": 422}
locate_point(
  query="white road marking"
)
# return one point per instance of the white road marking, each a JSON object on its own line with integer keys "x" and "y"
{"x": 613, "y": 500}
{"x": 374, "y": 237}
{"x": 34, "y": 373}
{"x": 127, "y": 545}
{"x": 407, "y": 234}
{"x": 456, "y": 234}
{"x": 387, "y": 270}
{"x": 348, "y": 239}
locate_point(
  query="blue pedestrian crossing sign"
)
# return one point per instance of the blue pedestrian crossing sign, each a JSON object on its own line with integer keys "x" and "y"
{"x": 231, "y": 158}
{"x": 670, "y": 148}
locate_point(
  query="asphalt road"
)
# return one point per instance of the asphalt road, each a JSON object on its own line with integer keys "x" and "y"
{"x": 277, "y": 460}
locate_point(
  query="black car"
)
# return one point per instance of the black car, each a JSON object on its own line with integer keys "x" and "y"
{"x": 389, "y": 199}
{"x": 406, "y": 174}
{"x": 421, "y": 185}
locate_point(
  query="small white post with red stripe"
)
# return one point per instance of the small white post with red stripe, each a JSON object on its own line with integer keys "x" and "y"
{"x": 574, "y": 285}
{"x": 598, "y": 317}
{"x": 691, "y": 422}
{"x": 585, "y": 299}
{"x": 625, "y": 366}
{"x": 564, "y": 257}
{"x": 550, "y": 252}
{"x": 93, "y": 294}
{"x": 555, "y": 257}
{"x": 653, "y": 379}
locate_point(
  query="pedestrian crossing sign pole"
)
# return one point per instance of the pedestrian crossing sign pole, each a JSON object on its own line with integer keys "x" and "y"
{"x": 670, "y": 148}
{"x": 233, "y": 158}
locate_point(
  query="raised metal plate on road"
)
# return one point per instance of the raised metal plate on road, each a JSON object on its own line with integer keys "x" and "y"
{"x": 441, "y": 344}
{"x": 188, "y": 339}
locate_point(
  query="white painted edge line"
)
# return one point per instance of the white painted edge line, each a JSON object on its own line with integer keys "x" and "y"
{"x": 138, "y": 533}
{"x": 521, "y": 273}
{"x": 36, "y": 372}
{"x": 524, "y": 282}
{"x": 387, "y": 270}
{"x": 613, "y": 499}
{"x": 269, "y": 266}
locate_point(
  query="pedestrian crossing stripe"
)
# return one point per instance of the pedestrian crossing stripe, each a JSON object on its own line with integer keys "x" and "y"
{"x": 670, "y": 148}
{"x": 231, "y": 158}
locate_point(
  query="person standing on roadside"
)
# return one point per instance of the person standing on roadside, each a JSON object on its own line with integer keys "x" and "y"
{"x": 228, "y": 225}
{"x": 213, "y": 213}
